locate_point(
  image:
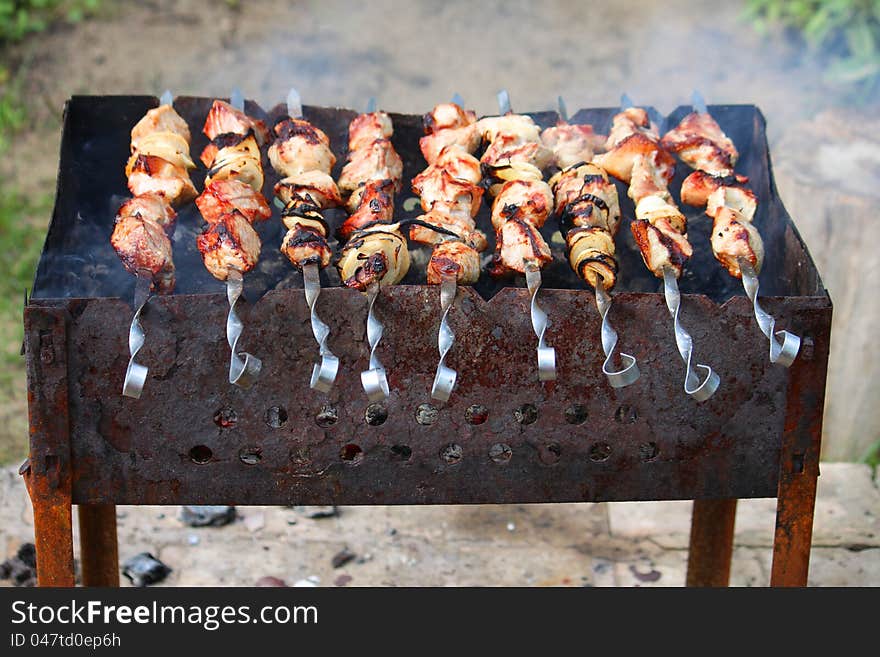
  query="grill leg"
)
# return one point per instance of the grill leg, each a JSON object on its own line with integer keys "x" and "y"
{"x": 53, "y": 529}
{"x": 98, "y": 547}
{"x": 711, "y": 545}
{"x": 794, "y": 530}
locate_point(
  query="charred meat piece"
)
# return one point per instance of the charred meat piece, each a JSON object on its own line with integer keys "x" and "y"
{"x": 734, "y": 237}
{"x": 518, "y": 245}
{"x": 224, "y": 196}
{"x": 571, "y": 144}
{"x": 585, "y": 197}
{"x": 519, "y": 125}
{"x": 223, "y": 118}
{"x": 454, "y": 259}
{"x": 451, "y": 218}
{"x": 306, "y": 243}
{"x": 229, "y": 243}
{"x": 701, "y": 144}
{"x": 528, "y": 200}
{"x": 364, "y": 129}
{"x": 160, "y": 119}
{"x": 698, "y": 186}
{"x": 143, "y": 246}
{"x": 375, "y": 255}
{"x": 591, "y": 255}
{"x": 154, "y": 175}
{"x": 152, "y": 207}
{"x": 300, "y": 147}
{"x": 741, "y": 199}
{"x": 619, "y": 160}
{"x": 661, "y": 246}
{"x": 317, "y": 186}
{"x": 376, "y": 206}
{"x": 375, "y": 161}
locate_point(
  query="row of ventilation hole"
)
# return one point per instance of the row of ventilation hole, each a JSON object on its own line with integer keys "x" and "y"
{"x": 426, "y": 415}
{"x": 452, "y": 453}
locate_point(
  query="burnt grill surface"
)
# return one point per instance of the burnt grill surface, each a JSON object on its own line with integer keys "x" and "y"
{"x": 78, "y": 261}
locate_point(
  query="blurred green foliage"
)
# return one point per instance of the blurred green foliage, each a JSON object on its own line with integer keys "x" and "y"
{"x": 18, "y": 18}
{"x": 843, "y": 34}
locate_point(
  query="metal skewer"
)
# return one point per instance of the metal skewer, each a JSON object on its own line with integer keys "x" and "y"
{"x": 243, "y": 368}
{"x": 135, "y": 373}
{"x": 374, "y": 380}
{"x": 323, "y": 373}
{"x": 540, "y": 322}
{"x": 701, "y": 391}
{"x": 629, "y": 373}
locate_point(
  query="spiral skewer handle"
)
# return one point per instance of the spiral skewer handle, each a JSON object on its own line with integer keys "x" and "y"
{"x": 629, "y": 373}
{"x": 323, "y": 373}
{"x": 374, "y": 380}
{"x": 135, "y": 373}
{"x": 701, "y": 391}
{"x": 444, "y": 379}
{"x": 243, "y": 368}
{"x": 784, "y": 346}
{"x": 540, "y": 322}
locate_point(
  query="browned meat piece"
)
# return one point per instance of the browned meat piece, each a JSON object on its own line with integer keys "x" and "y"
{"x": 223, "y": 118}
{"x": 317, "y": 186}
{"x": 734, "y": 237}
{"x": 654, "y": 209}
{"x": 572, "y": 144}
{"x": 701, "y": 144}
{"x": 160, "y": 119}
{"x": 451, "y": 218}
{"x": 143, "y": 245}
{"x": 619, "y": 160}
{"x": 155, "y": 175}
{"x": 435, "y": 184}
{"x": 528, "y": 200}
{"x": 446, "y": 116}
{"x": 229, "y": 243}
{"x": 696, "y": 188}
{"x": 364, "y": 129}
{"x": 585, "y": 197}
{"x": 224, "y": 196}
{"x": 518, "y": 125}
{"x": 375, "y": 255}
{"x": 661, "y": 246}
{"x": 466, "y": 138}
{"x": 741, "y": 199}
{"x": 633, "y": 120}
{"x": 507, "y": 148}
{"x": 647, "y": 178}
{"x": 300, "y": 147}
{"x": 454, "y": 259}
{"x": 151, "y": 207}
{"x": 518, "y": 245}
{"x": 591, "y": 255}
{"x": 306, "y": 243}
{"x": 376, "y": 161}
{"x": 457, "y": 162}
{"x": 376, "y": 206}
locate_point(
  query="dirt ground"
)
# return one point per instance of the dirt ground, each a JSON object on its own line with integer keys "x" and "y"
{"x": 410, "y": 55}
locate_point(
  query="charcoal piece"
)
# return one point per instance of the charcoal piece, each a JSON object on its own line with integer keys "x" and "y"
{"x": 144, "y": 569}
{"x": 342, "y": 557}
{"x": 207, "y": 515}
{"x": 316, "y": 512}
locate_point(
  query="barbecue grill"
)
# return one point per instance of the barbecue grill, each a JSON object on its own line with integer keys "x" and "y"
{"x": 504, "y": 436}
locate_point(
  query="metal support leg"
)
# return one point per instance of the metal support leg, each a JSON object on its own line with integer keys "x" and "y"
{"x": 99, "y": 551}
{"x": 711, "y": 546}
{"x": 53, "y": 529}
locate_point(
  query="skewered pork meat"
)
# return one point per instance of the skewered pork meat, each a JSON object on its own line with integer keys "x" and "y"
{"x": 448, "y": 126}
{"x": 140, "y": 238}
{"x": 376, "y": 205}
{"x": 701, "y": 144}
{"x": 571, "y": 144}
{"x": 224, "y": 119}
{"x": 496, "y": 175}
{"x": 513, "y": 138}
{"x": 456, "y": 259}
{"x": 696, "y": 188}
{"x": 741, "y": 199}
{"x": 315, "y": 186}
{"x": 300, "y": 147}
{"x": 153, "y": 175}
{"x": 223, "y": 196}
{"x": 734, "y": 237}
{"x": 229, "y": 243}
{"x": 377, "y": 160}
{"x": 528, "y": 200}
{"x": 160, "y": 119}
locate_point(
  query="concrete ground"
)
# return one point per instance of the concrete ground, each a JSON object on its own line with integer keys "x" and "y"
{"x": 619, "y": 544}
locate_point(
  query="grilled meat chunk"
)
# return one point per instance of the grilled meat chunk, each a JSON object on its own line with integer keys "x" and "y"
{"x": 619, "y": 160}
{"x": 454, "y": 259}
{"x": 160, "y": 119}
{"x": 143, "y": 245}
{"x": 452, "y": 218}
{"x": 435, "y": 184}
{"x": 585, "y": 197}
{"x": 151, "y": 174}
{"x": 528, "y": 200}
{"x": 376, "y": 206}
{"x": 741, "y": 199}
{"x": 518, "y": 245}
{"x": 447, "y": 116}
{"x": 456, "y": 162}
{"x": 367, "y": 128}
{"x": 317, "y": 186}
{"x": 375, "y": 161}
{"x": 229, "y": 243}
{"x": 496, "y": 175}
{"x": 306, "y": 243}
{"x": 465, "y": 138}
{"x": 591, "y": 255}
{"x": 300, "y": 147}
{"x": 170, "y": 146}
{"x": 656, "y": 208}
{"x": 699, "y": 185}
{"x": 152, "y": 207}
{"x": 375, "y": 255}
{"x": 633, "y": 120}
{"x": 661, "y": 246}
{"x": 507, "y": 148}
{"x": 701, "y": 144}
{"x": 734, "y": 237}
{"x": 572, "y": 144}
{"x": 223, "y": 118}
{"x": 224, "y": 196}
